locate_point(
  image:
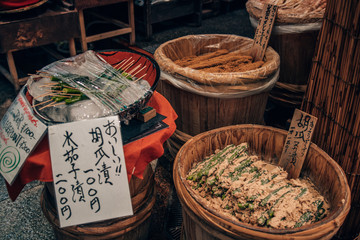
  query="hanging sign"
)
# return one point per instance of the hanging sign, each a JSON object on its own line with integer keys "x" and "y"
{"x": 20, "y": 131}
{"x": 297, "y": 142}
{"x": 89, "y": 171}
{"x": 263, "y": 31}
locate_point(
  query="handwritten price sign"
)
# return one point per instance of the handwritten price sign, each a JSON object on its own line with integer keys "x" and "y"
{"x": 89, "y": 171}
{"x": 263, "y": 31}
{"x": 297, "y": 142}
{"x": 20, "y": 131}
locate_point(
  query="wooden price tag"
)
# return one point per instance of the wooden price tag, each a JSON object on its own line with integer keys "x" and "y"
{"x": 263, "y": 32}
{"x": 20, "y": 132}
{"x": 297, "y": 143}
{"x": 90, "y": 178}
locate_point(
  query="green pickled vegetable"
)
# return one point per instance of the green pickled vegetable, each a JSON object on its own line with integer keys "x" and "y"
{"x": 71, "y": 90}
{"x": 266, "y": 199}
{"x": 242, "y": 206}
{"x": 306, "y": 217}
{"x": 261, "y": 221}
{"x": 58, "y": 99}
{"x": 302, "y": 192}
{"x": 256, "y": 176}
{"x": 320, "y": 210}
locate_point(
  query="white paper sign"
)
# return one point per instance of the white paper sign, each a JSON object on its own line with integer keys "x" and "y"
{"x": 89, "y": 171}
{"x": 20, "y": 131}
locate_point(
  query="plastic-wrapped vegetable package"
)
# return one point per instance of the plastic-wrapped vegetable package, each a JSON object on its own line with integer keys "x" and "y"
{"x": 103, "y": 89}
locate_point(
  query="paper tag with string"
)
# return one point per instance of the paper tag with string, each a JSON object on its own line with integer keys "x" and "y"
{"x": 263, "y": 32}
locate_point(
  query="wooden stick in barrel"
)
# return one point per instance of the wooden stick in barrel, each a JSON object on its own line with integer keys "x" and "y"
{"x": 263, "y": 32}
{"x": 297, "y": 143}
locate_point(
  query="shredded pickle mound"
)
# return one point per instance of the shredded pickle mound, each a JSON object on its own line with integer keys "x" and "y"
{"x": 246, "y": 189}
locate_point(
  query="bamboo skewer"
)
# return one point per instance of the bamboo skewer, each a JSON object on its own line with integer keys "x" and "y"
{"x": 141, "y": 77}
{"x": 134, "y": 69}
{"x": 52, "y": 105}
{"x": 139, "y": 71}
{"x": 41, "y": 103}
{"x": 122, "y": 63}
{"x": 128, "y": 66}
{"x": 55, "y": 95}
{"x": 55, "y": 85}
{"x": 43, "y": 95}
{"x": 66, "y": 94}
{"x": 117, "y": 65}
{"x": 38, "y": 75}
{"x": 49, "y": 84}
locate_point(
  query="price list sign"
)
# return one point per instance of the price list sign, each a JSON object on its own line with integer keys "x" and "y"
{"x": 89, "y": 171}
{"x": 263, "y": 31}
{"x": 297, "y": 142}
{"x": 20, "y": 131}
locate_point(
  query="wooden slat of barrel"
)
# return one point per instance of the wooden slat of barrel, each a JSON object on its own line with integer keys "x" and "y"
{"x": 199, "y": 113}
{"x": 296, "y": 51}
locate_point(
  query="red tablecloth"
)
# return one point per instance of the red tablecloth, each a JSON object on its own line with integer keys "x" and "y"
{"x": 137, "y": 154}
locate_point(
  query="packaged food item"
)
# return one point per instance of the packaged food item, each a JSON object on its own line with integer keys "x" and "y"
{"x": 84, "y": 86}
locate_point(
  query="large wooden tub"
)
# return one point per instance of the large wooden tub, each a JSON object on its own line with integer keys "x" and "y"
{"x": 267, "y": 142}
{"x": 204, "y": 100}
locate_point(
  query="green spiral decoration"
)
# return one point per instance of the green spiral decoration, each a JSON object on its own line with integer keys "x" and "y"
{"x": 9, "y": 159}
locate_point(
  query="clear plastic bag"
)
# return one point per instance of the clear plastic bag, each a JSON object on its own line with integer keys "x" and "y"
{"x": 231, "y": 92}
{"x": 237, "y": 83}
{"x": 290, "y": 28}
{"x": 290, "y": 11}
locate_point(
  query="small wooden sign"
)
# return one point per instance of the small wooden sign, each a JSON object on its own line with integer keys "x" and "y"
{"x": 20, "y": 132}
{"x": 263, "y": 31}
{"x": 297, "y": 143}
{"x": 89, "y": 171}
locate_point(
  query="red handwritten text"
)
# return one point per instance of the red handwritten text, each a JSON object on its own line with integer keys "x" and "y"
{"x": 27, "y": 111}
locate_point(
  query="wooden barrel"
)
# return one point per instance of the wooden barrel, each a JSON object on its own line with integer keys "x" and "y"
{"x": 132, "y": 227}
{"x": 202, "y": 223}
{"x": 296, "y": 51}
{"x": 294, "y": 38}
{"x": 204, "y": 101}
